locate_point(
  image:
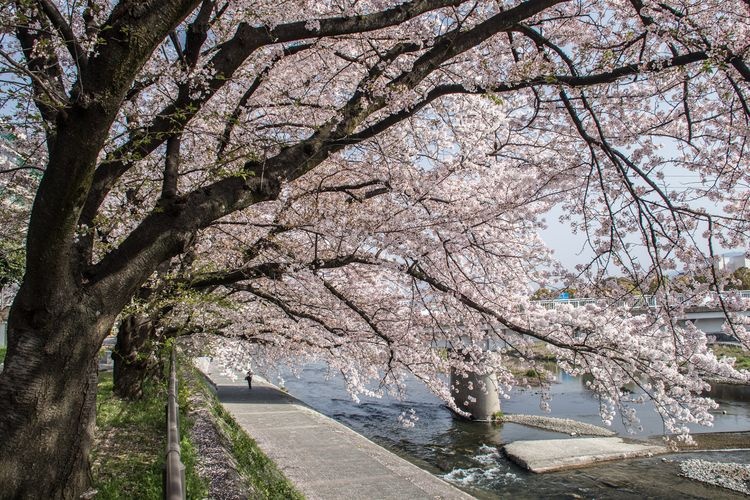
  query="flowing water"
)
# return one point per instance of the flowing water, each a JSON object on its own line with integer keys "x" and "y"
{"x": 468, "y": 454}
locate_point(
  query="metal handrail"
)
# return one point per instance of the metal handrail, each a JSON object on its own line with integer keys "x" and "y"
{"x": 642, "y": 301}
{"x": 174, "y": 469}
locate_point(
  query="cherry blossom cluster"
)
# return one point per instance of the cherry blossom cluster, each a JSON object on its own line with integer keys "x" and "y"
{"x": 365, "y": 182}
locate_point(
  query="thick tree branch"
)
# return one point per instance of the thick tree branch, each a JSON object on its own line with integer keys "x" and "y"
{"x": 237, "y": 112}
{"x": 197, "y": 33}
{"x": 166, "y": 232}
{"x": 65, "y": 31}
{"x": 227, "y": 59}
{"x": 294, "y": 161}
{"x": 43, "y": 68}
{"x": 171, "y": 168}
{"x": 81, "y": 130}
{"x": 272, "y": 270}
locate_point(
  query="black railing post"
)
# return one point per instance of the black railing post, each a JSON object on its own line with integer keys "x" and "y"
{"x": 174, "y": 470}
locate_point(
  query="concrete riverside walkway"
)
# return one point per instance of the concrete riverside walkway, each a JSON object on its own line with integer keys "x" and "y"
{"x": 321, "y": 457}
{"x": 555, "y": 454}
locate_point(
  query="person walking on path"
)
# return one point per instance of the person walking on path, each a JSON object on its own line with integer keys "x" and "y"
{"x": 249, "y": 378}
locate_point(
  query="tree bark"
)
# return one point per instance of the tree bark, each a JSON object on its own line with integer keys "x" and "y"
{"x": 135, "y": 362}
{"x": 61, "y": 314}
{"x": 48, "y": 398}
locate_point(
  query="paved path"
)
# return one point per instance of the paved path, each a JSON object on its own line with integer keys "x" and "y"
{"x": 324, "y": 459}
{"x": 556, "y": 454}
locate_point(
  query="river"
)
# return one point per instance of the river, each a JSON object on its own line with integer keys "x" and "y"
{"x": 468, "y": 454}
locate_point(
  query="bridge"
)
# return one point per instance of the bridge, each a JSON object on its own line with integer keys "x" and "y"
{"x": 641, "y": 301}
{"x": 707, "y": 317}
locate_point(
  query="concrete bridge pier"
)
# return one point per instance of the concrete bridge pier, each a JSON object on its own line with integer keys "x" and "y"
{"x": 476, "y": 394}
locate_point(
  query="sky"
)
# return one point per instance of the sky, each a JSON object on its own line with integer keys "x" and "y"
{"x": 571, "y": 249}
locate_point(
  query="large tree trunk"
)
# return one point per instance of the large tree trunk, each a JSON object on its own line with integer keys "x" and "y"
{"x": 48, "y": 397}
{"x": 135, "y": 362}
{"x": 67, "y": 303}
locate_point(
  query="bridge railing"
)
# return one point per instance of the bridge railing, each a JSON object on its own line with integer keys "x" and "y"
{"x": 634, "y": 302}
{"x": 174, "y": 470}
{"x": 552, "y": 303}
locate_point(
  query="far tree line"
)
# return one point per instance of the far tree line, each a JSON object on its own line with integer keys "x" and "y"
{"x": 739, "y": 279}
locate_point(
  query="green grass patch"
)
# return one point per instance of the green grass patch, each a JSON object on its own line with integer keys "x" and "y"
{"x": 3, "y": 350}
{"x": 196, "y": 487}
{"x": 542, "y": 353}
{"x": 538, "y": 351}
{"x": 267, "y": 481}
{"x": 130, "y": 444}
{"x": 732, "y": 351}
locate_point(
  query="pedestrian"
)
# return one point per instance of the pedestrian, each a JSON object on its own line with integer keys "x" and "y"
{"x": 249, "y": 378}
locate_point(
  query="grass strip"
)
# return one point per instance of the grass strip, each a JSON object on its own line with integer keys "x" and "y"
{"x": 741, "y": 356}
{"x": 130, "y": 444}
{"x": 267, "y": 481}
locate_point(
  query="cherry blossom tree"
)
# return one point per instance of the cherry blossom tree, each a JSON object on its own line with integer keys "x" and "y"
{"x": 365, "y": 182}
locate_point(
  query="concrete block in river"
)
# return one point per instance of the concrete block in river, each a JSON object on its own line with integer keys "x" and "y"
{"x": 556, "y": 454}
{"x": 476, "y": 394}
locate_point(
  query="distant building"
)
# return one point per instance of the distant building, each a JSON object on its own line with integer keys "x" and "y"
{"x": 9, "y": 156}
{"x": 730, "y": 262}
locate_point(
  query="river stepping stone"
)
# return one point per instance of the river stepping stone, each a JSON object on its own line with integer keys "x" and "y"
{"x": 556, "y": 424}
{"x": 549, "y": 455}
